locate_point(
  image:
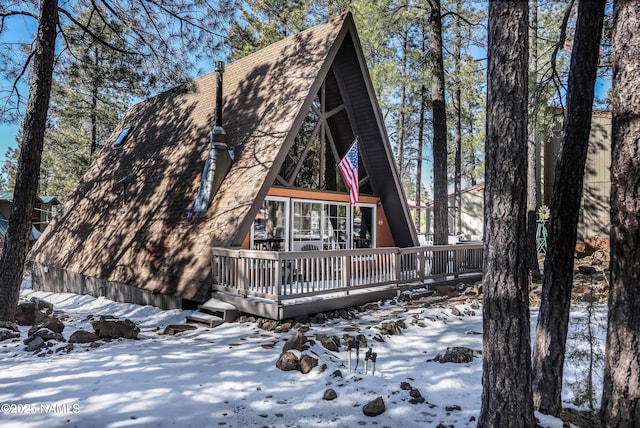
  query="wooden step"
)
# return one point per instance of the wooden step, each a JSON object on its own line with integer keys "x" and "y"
{"x": 225, "y": 310}
{"x": 204, "y": 318}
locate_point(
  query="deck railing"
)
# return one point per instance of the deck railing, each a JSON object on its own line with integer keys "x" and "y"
{"x": 280, "y": 276}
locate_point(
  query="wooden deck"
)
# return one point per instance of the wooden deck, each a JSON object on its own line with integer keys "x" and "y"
{"x": 281, "y": 285}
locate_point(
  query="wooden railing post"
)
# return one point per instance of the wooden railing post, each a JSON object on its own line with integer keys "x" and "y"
{"x": 397, "y": 266}
{"x": 421, "y": 263}
{"x": 242, "y": 272}
{"x": 278, "y": 273}
{"x": 346, "y": 272}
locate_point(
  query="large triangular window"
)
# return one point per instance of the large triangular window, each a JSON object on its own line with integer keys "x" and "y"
{"x": 323, "y": 138}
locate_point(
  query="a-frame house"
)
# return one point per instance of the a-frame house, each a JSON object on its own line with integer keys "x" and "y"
{"x": 165, "y": 189}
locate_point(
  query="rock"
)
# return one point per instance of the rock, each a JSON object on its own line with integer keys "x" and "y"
{"x": 329, "y": 343}
{"x": 174, "y": 329}
{"x": 415, "y": 393}
{"x": 83, "y": 336}
{"x": 53, "y": 324}
{"x": 453, "y": 408}
{"x": 337, "y": 373}
{"x": 42, "y": 305}
{"x": 45, "y": 334}
{"x": 329, "y": 395}
{"x": 6, "y": 334}
{"x": 9, "y": 325}
{"x": 296, "y": 341}
{"x": 67, "y": 348}
{"x": 469, "y": 313}
{"x": 456, "y": 312}
{"x": 28, "y": 314}
{"x": 390, "y": 328}
{"x": 116, "y": 329}
{"x": 307, "y": 363}
{"x": 288, "y": 361}
{"x": 456, "y": 354}
{"x": 284, "y": 327}
{"x": 36, "y": 344}
{"x": 405, "y": 386}
{"x": 586, "y": 270}
{"x": 265, "y": 324}
{"x": 374, "y": 407}
{"x": 362, "y": 341}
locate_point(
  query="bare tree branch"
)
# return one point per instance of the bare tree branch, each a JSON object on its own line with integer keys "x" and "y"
{"x": 554, "y": 56}
{"x": 14, "y": 13}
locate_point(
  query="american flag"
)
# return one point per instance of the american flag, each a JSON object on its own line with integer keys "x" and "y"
{"x": 349, "y": 168}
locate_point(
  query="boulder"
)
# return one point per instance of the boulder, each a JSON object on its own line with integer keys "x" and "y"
{"x": 28, "y": 314}
{"x": 288, "y": 361}
{"x": 416, "y": 396}
{"x": 374, "y": 407}
{"x": 36, "y": 344}
{"x": 6, "y": 334}
{"x": 53, "y": 324}
{"x": 456, "y": 354}
{"x": 307, "y": 363}
{"x": 390, "y": 328}
{"x": 67, "y": 348}
{"x": 329, "y": 395}
{"x": 83, "y": 336}
{"x": 45, "y": 334}
{"x": 9, "y": 325}
{"x": 115, "y": 329}
{"x": 337, "y": 373}
{"x": 296, "y": 341}
{"x": 330, "y": 343}
{"x": 42, "y": 305}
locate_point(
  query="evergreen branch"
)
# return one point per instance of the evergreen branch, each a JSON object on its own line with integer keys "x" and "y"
{"x": 104, "y": 20}
{"x": 94, "y": 36}
{"x": 462, "y": 18}
{"x": 155, "y": 26}
{"x": 182, "y": 19}
{"x": 67, "y": 43}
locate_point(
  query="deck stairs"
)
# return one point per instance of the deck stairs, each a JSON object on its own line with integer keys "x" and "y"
{"x": 214, "y": 312}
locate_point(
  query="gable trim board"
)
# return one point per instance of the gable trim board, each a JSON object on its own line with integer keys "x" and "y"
{"x": 151, "y": 241}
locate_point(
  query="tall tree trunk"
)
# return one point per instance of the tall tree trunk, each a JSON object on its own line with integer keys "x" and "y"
{"x": 423, "y": 102}
{"x": 403, "y": 106}
{"x": 457, "y": 104}
{"x": 16, "y": 242}
{"x": 440, "y": 199}
{"x": 551, "y": 331}
{"x": 506, "y": 354}
{"x": 621, "y": 394}
{"x": 533, "y": 196}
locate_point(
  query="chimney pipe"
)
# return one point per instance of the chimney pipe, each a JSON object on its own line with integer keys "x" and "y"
{"x": 219, "y": 158}
{"x": 219, "y": 72}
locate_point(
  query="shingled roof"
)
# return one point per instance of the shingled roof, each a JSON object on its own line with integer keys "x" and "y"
{"x": 128, "y": 221}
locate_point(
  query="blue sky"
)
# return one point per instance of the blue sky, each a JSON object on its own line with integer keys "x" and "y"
{"x": 21, "y": 29}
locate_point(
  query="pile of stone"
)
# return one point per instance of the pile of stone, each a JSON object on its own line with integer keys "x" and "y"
{"x": 46, "y": 332}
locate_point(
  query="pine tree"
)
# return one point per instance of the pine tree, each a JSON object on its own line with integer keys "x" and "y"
{"x": 621, "y": 391}
{"x": 506, "y": 354}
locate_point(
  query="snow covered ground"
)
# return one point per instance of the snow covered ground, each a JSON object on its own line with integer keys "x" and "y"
{"x": 226, "y": 376}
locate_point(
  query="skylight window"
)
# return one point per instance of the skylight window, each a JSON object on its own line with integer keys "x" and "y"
{"x": 121, "y": 138}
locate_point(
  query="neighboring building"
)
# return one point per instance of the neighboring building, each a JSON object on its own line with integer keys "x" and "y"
{"x": 45, "y": 210}
{"x": 141, "y": 224}
{"x": 472, "y": 201}
{"x": 594, "y": 221}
